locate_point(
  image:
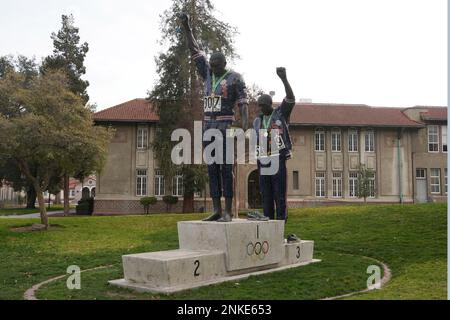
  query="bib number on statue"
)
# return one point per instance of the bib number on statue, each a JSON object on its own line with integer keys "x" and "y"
{"x": 279, "y": 142}
{"x": 212, "y": 104}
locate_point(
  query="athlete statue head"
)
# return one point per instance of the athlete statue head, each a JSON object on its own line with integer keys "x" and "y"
{"x": 218, "y": 62}
{"x": 265, "y": 104}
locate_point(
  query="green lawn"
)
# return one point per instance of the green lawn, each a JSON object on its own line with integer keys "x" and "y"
{"x": 412, "y": 240}
{"x": 22, "y": 211}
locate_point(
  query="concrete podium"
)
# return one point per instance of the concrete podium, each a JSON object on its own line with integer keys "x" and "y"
{"x": 211, "y": 253}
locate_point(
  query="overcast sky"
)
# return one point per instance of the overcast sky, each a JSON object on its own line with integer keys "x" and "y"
{"x": 375, "y": 52}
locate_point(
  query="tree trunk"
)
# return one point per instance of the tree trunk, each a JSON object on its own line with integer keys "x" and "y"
{"x": 31, "y": 197}
{"x": 66, "y": 194}
{"x": 43, "y": 211}
{"x": 58, "y": 198}
{"x": 188, "y": 203}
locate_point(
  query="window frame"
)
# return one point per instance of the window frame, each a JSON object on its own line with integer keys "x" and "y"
{"x": 353, "y": 133}
{"x": 434, "y": 142}
{"x": 421, "y": 177}
{"x": 319, "y": 132}
{"x": 296, "y": 180}
{"x": 445, "y": 180}
{"x": 370, "y": 133}
{"x": 159, "y": 180}
{"x": 322, "y": 184}
{"x": 444, "y": 138}
{"x": 353, "y": 184}
{"x": 336, "y": 142}
{"x": 142, "y": 138}
{"x": 372, "y": 186}
{"x": 438, "y": 177}
{"x": 337, "y": 185}
{"x": 141, "y": 183}
{"x": 176, "y": 188}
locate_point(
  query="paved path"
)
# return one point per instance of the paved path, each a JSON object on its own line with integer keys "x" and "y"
{"x": 34, "y": 215}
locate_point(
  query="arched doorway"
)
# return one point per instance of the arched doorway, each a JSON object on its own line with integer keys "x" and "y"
{"x": 85, "y": 193}
{"x": 254, "y": 195}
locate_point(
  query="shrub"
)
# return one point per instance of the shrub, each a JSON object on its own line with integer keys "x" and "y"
{"x": 147, "y": 202}
{"x": 169, "y": 201}
{"x": 85, "y": 206}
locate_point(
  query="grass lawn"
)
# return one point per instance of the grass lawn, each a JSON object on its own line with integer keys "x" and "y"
{"x": 411, "y": 239}
{"x": 21, "y": 211}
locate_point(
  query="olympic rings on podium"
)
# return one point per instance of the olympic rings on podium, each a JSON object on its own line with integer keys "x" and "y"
{"x": 258, "y": 249}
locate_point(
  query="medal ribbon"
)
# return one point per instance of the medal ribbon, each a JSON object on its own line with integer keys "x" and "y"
{"x": 216, "y": 84}
{"x": 266, "y": 124}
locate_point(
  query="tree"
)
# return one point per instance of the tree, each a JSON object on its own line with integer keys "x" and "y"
{"x": 176, "y": 95}
{"x": 27, "y": 68}
{"x": 61, "y": 128}
{"x": 68, "y": 56}
{"x": 169, "y": 201}
{"x": 364, "y": 183}
{"x": 147, "y": 202}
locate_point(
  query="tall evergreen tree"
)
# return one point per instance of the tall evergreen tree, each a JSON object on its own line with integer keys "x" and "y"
{"x": 68, "y": 56}
{"x": 177, "y": 94}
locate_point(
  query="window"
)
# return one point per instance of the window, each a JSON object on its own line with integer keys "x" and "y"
{"x": 320, "y": 140}
{"x": 159, "y": 183}
{"x": 353, "y": 184}
{"x": 433, "y": 138}
{"x": 353, "y": 141}
{"x": 369, "y": 141}
{"x": 142, "y": 138}
{"x": 371, "y": 177}
{"x": 435, "y": 181}
{"x": 444, "y": 138}
{"x": 177, "y": 185}
{"x": 295, "y": 180}
{"x": 320, "y": 184}
{"x": 141, "y": 183}
{"x": 336, "y": 141}
{"x": 198, "y": 194}
{"x": 421, "y": 174}
{"x": 337, "y": 184}
{"x": 445, "y": 180}
{"x": 72, "y": 193}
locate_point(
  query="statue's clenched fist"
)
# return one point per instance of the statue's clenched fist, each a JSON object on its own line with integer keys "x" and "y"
{"x": 281, "y": 72}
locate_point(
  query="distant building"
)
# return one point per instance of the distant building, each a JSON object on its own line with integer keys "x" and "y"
{"x": 82, "y": 189}
{"x": 10, "y": 197}
{"x": 406, "y": 148}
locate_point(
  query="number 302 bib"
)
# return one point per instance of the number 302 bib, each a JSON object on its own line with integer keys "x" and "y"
{"x": 212, "y": 103}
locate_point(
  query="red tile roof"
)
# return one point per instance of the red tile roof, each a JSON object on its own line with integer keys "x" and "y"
{"x": 434, "y": 113}
{"x": 140, "y": 110}
{"x": 137, "y": 110}
{"x": 350, "y": 115}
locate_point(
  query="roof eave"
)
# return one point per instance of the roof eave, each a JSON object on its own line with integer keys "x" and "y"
{"x": 355, "y": 125}
{"x": 126, "y": 120}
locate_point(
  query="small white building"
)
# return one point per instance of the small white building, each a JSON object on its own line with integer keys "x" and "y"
{"x": 10, "y": 197}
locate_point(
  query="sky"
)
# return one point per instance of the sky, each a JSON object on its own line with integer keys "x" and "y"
{"x": 389, "y": 53}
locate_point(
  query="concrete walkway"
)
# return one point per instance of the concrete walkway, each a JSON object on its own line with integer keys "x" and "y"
{"x": 35, "y": 215}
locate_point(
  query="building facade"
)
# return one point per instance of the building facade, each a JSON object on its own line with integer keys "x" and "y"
{"x": 330, "y": 142}
{"x": 10, "y": 197}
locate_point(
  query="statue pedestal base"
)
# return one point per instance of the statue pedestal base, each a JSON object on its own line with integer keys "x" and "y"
{"x": 211, "y": 253}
